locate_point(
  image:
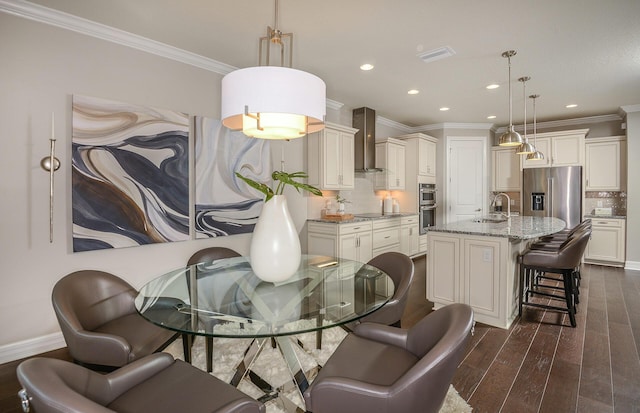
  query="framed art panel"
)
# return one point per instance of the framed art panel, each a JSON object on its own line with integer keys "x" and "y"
{"x": 224, "y": 205}
{"x": 130, "y": 174}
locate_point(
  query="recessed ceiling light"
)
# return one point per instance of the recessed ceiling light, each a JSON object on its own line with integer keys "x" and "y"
{"x": 366, "y": 66}
{"x": 491, "y": 117}
{"x": 413, "y": 92}
{"x": 444, "y": 109}
{"x": 572, "y": 105}
{"x": 493, "y": 86}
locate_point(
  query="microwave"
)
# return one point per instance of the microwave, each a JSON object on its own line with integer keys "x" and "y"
{"x": 427, "y": 194}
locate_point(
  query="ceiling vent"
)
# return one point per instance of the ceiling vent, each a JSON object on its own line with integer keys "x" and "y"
{"x": 436, "y": 54}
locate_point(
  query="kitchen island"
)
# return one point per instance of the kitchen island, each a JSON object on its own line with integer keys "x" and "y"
{"x": 475, "y": 262}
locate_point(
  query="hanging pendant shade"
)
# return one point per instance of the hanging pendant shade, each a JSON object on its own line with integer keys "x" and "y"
{"x": 510, "y": 137}
{"x": 525, "y": 147}
{"x": 537, "y": 155}
{"x": 271, "y": 102}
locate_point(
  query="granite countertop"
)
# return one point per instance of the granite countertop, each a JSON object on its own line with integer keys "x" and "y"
{"x": 365, "y": 217}
{"x": 517, "y": 227}
{"x": 593, "y": 216}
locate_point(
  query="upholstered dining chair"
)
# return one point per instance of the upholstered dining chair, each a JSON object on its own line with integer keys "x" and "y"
{"x": 153, "y": 384}
{"x": 209, "y": 255}
{"x": 99, "y": 321}
{"x": 384, "y": 369}
{"x": 400, "y": 268}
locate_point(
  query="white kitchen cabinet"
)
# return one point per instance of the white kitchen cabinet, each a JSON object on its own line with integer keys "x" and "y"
{"x": 476, "y": 270}
{"x": 423, "y": 244}
{"x": 420, "y": 167}
{"x": 386, "y": 238}
{"x": 505, "y": 170}
{"x": 607, "y": 243}
{"x": 564, "y": 148}
{"x": 331, "y": 157}
{"x": 605, "y": 168}
{"x": 390, "y": 156}
{"x": 409, "y": 235}
{"x": 420, "y": 154}
{"x": 352, "y": 240}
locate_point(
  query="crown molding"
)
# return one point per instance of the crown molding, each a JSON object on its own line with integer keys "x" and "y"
{"x": 334, "y": 104}
{"x": 393, "y": 124}
{"x": 77, "y": 24}
{"x": 567, "y": 122}
{"x": 630, "y": 108}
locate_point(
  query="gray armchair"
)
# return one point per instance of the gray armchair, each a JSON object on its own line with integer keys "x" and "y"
{"x": 99, "y": 322}
{"x": 153, "y": 384}
{"x": 400, "y": 268}
{"x": 380, "y": 368}
{"x": 209, "y": 255}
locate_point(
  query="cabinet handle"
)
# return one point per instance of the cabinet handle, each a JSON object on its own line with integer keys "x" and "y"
{"x": 388, "y": 236}
{"x": 356, "y": 228}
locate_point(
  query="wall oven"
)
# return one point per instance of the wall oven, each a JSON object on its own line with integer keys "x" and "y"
{"x": 427, "y": 194}
{"x": 427, "y": 206}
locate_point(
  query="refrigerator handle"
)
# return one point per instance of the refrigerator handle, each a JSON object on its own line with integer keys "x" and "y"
{"x": 550, "y": 195}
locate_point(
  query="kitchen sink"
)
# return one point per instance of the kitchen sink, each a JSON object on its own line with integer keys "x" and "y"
{"x": 493, "y": 218}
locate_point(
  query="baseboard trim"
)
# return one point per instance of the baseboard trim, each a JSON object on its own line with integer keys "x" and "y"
{"x": 632, "y": 265}
{"x": 31, "y": 347}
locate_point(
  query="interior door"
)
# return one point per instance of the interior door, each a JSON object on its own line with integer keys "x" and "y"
{"x": 467, "y": 178}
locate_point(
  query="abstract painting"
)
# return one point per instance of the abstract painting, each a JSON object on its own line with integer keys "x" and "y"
{"x": 225, "y": 205}
{"x": 130, "y": 175}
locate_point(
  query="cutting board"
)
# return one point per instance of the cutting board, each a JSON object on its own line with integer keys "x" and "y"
{"x": 337, "y": 217}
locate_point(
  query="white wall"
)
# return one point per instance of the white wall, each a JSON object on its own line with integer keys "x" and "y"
{"x": 42, "y": 67}
{"x": 633, "y": 190}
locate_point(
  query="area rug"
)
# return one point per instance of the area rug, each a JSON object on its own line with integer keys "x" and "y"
{"x": 227, "y": 352}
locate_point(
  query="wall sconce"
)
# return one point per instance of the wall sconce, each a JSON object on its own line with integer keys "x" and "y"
{"x": 51, "y": 164}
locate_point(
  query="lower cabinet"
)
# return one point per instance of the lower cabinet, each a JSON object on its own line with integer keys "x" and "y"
{"x": 409, "y": 235}
{"x": 607, "y": 243}
{"x": 475, "y": 270}
{"x": 350, "y": 241}
{"x": 386, "y": 238}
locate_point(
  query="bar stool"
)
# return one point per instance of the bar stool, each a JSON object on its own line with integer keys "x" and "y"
{"x": 564, "y": 261}
{"x": 555, "y": 242}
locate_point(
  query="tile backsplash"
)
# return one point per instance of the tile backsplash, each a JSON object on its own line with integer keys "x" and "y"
{"x": 617, "y": 201}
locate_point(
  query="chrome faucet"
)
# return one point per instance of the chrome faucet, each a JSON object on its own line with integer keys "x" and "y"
{"x": 508, "y": 203}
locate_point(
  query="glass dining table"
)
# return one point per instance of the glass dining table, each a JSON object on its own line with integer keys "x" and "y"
{"x": 224, "y": 298}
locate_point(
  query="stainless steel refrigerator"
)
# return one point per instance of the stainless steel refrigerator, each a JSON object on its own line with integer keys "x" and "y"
{"x": 553, "y": 192}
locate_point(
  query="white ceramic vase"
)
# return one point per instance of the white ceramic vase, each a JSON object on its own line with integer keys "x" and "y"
{"x": 275, "y": 247}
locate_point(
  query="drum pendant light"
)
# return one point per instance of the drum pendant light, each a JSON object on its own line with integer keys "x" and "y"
{"x": 525, "y": 147}
{"x": 510, "y": 137}
{"x": 273, "y": 102}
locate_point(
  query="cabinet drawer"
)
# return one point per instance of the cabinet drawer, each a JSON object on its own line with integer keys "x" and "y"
{"x": 413, "y": 219}
{"x": 611, "y": 223}
{"x": 346, "y": 229}
{"x": 386, "y": 223}
{"x": 386, "y": 237}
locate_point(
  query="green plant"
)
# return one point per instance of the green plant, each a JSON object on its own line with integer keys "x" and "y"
{"x": 283, "y": 179}
{"x": 341, "y": 200}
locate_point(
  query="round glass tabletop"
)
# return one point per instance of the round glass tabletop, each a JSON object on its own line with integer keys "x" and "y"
{"x": 224, "y": 298}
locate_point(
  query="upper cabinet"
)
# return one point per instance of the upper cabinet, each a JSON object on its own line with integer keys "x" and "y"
{"x": 420, "y": 155}
{"x": 390, "y": 156}
{"x": 331, "y": 157}
{"x": 605, "y": 164}
{"x": 505, "y": 170}
{"x": 564, "y": 148}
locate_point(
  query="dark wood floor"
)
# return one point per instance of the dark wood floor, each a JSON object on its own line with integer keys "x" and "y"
{"x": 540, "y": 364}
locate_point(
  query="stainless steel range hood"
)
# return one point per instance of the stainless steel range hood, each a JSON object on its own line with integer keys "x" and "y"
{"x": 364, "y": 119}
